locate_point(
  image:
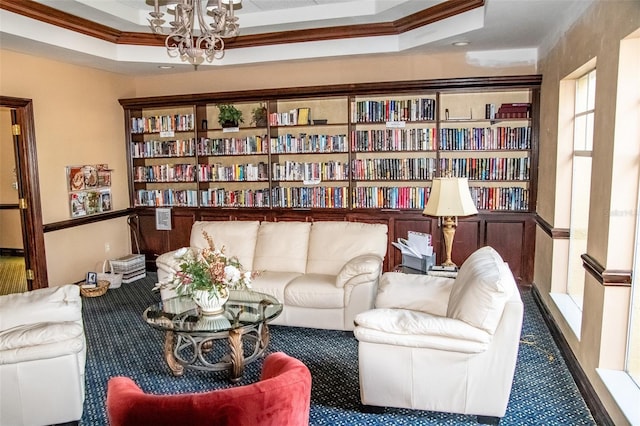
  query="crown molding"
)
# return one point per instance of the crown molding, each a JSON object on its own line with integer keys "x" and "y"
{"x": 49, "y": 15}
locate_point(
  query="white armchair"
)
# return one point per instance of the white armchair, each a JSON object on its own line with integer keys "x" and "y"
{"x": 42, "y": 357}
{"x": 441, "y": 344}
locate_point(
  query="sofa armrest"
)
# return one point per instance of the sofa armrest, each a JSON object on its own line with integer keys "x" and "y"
{"x": 40, "y": 341}
{"x": 169, "y": 263}
{"x": 51, "y": 304}
{"x": 360, "y": 269}
{"x": 404, "y": 327}
{"x": 422, "y": 293}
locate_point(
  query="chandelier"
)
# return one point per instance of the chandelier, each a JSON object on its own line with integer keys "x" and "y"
{"x": 183, "y": 40}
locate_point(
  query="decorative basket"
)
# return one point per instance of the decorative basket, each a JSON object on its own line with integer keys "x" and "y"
{"x": 100, "y": 289}
{"x": 115, "y": 279}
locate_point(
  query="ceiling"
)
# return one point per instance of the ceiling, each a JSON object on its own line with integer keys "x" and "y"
{"x": 113, "y": 35}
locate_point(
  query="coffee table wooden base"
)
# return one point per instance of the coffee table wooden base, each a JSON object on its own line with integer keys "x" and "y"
{"x": 191, "y": 350}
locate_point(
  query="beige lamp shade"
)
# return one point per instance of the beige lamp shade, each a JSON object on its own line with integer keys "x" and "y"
{"x": 450, "y": 197}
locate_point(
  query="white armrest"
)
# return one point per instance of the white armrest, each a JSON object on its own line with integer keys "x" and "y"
{"x": 169, "y": 262}
{"x": 360, "y": 269}
{"x": 51, "y": 304}
{"x": 40, "y": 341}
{"x": 416, "y": 292}
{"x": 404, "y": 327}
{"x": 39, "y": 334}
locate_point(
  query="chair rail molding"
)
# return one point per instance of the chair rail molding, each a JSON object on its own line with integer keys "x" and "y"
{"x": 606, "y": 277}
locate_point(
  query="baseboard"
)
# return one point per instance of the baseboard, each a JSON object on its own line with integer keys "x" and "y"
{"x": 14, "y": 252}
{"x": 592, "y": 400}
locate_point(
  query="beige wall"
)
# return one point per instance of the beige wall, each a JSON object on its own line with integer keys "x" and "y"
{"x": 78, "y": 120}
{"x": 596, "y": 35}
{"x": 10, "y": 231}
{"x": 354, "y": 69}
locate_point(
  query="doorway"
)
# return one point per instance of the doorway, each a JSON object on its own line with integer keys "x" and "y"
{"x": 13, "y": 277}
{"x": 22, "y": 134}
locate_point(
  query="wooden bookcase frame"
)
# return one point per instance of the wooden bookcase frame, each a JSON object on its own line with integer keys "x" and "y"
{"x": 511, "y": 232}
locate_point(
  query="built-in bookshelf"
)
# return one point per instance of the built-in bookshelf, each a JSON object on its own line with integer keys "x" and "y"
{"x": 359, "y": 151}
{"x": 347, "y": 151}
{"x": 494, "y": 150}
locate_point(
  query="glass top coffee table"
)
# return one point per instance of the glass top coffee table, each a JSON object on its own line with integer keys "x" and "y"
{"x": 225, "y": 341}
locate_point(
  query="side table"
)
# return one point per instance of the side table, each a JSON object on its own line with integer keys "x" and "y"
{"x": 408, "y": 270}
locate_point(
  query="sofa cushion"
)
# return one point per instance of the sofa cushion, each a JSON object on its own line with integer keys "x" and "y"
{"x": 282, "y": 247}
{"x": 314, "y": 291}
{"x": 237, "y": 237}
{"x": 332, "y": 244}
{"x": 273, "y": 283}
{"x": 481, "y": 289}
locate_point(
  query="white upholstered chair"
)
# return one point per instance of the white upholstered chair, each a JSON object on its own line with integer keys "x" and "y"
{"x": 42, "y": 357}
{"x": 441, "y": 344}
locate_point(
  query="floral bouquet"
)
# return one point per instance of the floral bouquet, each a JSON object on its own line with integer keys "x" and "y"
{"x": 209, "y": 269}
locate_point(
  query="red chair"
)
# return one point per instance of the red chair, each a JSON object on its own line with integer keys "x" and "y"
{"x": 280, "y": 398}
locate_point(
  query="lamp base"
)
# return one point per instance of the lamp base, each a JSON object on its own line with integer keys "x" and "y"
{"x": 448, "y": 230}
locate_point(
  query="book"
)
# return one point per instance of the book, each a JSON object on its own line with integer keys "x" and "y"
{"x": 304, "y": 115}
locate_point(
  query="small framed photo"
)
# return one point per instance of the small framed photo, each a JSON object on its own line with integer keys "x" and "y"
{"x": 92, "y": 278}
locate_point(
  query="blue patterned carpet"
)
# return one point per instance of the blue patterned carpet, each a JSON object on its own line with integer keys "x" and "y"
{"x": 120, "y": 343}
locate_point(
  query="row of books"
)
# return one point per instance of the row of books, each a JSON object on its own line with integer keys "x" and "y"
{"x": 167, "y": 197}
{"x": 362, "y": 169}
{"x": 486, "y": 138}
{"x": 514, "y": 198}
{"x": 487, "y": 168}
{"x": 310, "y": 172}
{"x": 423, "y": 109}
{"x": 286, "y": 197}
{"x": 220, "y": 197}
{"x": 311, "y": 197}
{"x": 163, "y": 123}
{"x": 165, "y": 173}
{"x": 394, "y": 168}
{"x": 363, "y": 141}
{"x": 293, "y": 117}
{"x": 233, "y": 173}
{"x": 304, "y": 143}
{"x": 394, "y": 140}
{"x": 387, "y": 197}
{"x": 233, "y": 146}
{"x": 150, "y": 149}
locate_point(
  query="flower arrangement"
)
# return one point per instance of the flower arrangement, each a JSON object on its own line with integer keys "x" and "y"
{"x": 209, "y": 269}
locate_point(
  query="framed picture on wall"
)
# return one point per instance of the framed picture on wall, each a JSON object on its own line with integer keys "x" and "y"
{"x": 77, "y": 203}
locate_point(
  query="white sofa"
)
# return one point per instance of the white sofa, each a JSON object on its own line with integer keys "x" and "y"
{"x": 441, "y": 344}
{"x": 324, "y": 273}
{"x": 42, "y": 357}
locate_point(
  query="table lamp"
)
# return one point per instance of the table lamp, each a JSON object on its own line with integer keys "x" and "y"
{"x": 449, "y": 198}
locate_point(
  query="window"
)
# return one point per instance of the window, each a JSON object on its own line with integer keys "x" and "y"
{"x": 581, "y": 183}
{"x": 632, "y": 364}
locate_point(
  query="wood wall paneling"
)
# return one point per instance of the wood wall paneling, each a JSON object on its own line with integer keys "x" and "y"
{"x": 182, "y": 221}
{"x": 465, "y": 241}
{"x": 512, "y": 235}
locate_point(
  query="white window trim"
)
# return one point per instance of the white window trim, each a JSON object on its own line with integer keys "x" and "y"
{"x": 624, "y": 391}
{"x": 570, "y": 311}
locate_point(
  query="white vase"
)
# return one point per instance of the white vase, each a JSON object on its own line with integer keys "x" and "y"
{"x": 210, "y": 302}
